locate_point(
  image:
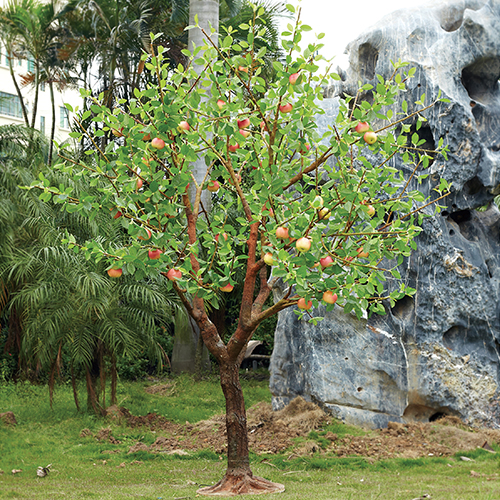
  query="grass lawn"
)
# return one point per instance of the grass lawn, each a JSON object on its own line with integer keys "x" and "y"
{"x": 80, "y": 469}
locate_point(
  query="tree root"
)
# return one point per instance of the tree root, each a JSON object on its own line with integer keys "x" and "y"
{"x": 246, "y": 484}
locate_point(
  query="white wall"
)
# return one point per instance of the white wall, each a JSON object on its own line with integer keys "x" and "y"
{"x": 44, "y": 108}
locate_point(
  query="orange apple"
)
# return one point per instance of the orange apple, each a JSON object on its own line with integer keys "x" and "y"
{"x": 141, "y": 237}
{"x": 213, "y": 186}
{"x": 329, "y": 297}
{"x": 226, "y": 288}
{"x": 302, "y": 304}
{"x": 114, "y": 273}
{"x": 282, "y": 233}
{"x": 174, "y": 274}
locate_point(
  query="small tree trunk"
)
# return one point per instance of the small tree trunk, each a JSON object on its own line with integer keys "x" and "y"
{"x": 53, "y": 125}
{"x": 75, "y": 390}
{"x": 114, "y": 380}
{"x": 92, "y": 401}
{"x": 239, "y": 479}
{"x": 19, "y": 94}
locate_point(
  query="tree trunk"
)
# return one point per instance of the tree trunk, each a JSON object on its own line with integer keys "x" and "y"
{"x": 35, "y": 101}
{"x": 53, "y": 125}
{"x": 184, "y": 352}
{"x": 239, "y": 479}
{"x": 114, "y": 380}
{"x": 19, "y": 94}
{"x": 75, "y": 390}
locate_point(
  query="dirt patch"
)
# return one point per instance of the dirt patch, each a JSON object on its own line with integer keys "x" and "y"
{"x": 161, "y": 389}
{"x": 273, "y": 432}
{"x": 105, "y": 435}
{"x": 8, "y": 418}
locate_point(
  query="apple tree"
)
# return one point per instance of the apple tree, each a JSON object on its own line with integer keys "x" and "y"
{"x": 315, "y": 213}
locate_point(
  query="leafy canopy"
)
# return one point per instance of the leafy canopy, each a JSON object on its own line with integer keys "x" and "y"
{"x": 260, "y": 141}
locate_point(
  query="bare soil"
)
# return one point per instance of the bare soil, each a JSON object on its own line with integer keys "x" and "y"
{"x": 289, "y": 430}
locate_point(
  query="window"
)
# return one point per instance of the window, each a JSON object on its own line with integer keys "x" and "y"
{"x": 31, "y": 65}
{"x": 42, "y": 124}
{"x": 10, "y": 105}
{"x": 63, "y": 118}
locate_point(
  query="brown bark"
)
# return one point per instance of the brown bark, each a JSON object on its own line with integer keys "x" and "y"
{"x": 114, "y": 381}
{"x": 238, "y": 479}
{"x": 75, "y": 390}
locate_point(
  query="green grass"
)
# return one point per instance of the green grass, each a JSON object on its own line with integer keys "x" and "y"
{"x": 82, "y": 470}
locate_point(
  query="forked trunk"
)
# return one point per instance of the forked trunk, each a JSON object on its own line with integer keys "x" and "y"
{"x": 239, "y": 479}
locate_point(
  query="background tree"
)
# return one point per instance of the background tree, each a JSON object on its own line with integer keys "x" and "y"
{"x": 58, "y": 305}
{"x": 332, "y": 224}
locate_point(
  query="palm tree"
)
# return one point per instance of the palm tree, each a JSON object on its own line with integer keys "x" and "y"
{"x": 57, "y": 301}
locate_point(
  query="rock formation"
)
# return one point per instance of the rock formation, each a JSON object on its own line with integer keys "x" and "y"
{"x": 439, "y": 352}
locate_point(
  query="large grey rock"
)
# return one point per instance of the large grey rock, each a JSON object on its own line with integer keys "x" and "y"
{"x": 440, "y": 351}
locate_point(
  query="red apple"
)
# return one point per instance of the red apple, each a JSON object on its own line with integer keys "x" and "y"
{"x": 329, "y": 297}
{"x": 244, "y": 133}
{"x": 263, "y": 125}
{"x": 141, "y": 237}
{"x": 146, "y": 137}
{"x": 224, "y": 235}
{"x": 268, "y": 259}
{"x": 243, "y": 68}
{"x": 371, "y": 210}
{"x": 157, "y": 143}
{"x": 174, "y": 274}
{"x": 326, "y": 261}
{"x": 362, "y": 127}
{"x": 270, "y": 210}
{"x": 114, "y": 273}
{"x": 293, "y": 78}
{"x": 226, "y": 288}
{"x": 154, "y": 254}
{"x": 304, "y": 151}
{"x": 303, "y": 244}
{"x": 238, "y": 179}
{"x": 282, "y": 233}
{"x": 233, "y": 147}
{"x": 244, "y": 123}
{"x": 302, "y": 304}
{"x": 183, "y": 126}
{"x": 213, "y": 186}
{"x": 370, "y": 137}
{"x": 361, "y": 254}
{"x": 139, "y": 183}
{"x": 221, "y": 103}
{"x": 286, "y": 108}
{"x": 146, "y": 161}
{"x": 117, "y": 133}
